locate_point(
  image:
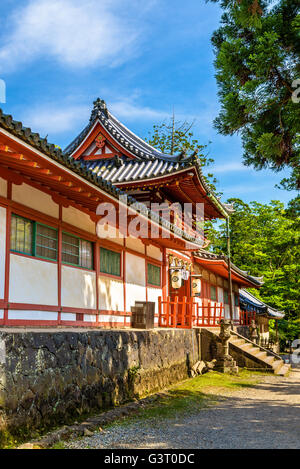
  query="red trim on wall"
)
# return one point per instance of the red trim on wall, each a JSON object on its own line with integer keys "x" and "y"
{"x": 7, "y": 252}
{"x": 59, "y": 264}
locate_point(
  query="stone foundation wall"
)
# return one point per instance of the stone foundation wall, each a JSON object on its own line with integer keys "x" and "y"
{"x": 47, "y": 378}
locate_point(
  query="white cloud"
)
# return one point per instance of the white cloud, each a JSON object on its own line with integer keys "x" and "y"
{"x": 50, "y": 119}
{"x": 73, "y": 32}
{"x": 229, "y": 167}
{"x": 124, "y": 109}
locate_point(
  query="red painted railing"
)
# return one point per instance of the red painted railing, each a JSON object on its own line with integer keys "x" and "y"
{"x": 186, "y": 313}
{"x": 246, "y": 317}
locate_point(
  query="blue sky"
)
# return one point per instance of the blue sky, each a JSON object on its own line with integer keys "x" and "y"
{"x": 142, "y": 58}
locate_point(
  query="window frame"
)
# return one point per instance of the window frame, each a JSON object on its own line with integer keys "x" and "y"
{"x": 78, "y": 266}
{"x": 118, "y": 276}
{"x": 160, "y": 275}
{"x": 210, "y": 293}
{"x": 33, "y": 253}
{"x": 227, "y": 292}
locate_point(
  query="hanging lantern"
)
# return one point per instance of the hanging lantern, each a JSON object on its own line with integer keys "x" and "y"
{"x": 196, "y": 286}
{"x": 176, "y": 278}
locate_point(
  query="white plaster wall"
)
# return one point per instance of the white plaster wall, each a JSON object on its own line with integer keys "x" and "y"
{"x": 75, "y": 217}
{"x": 135, "y": 244}
{"x": 135, "y": 269}
{"x": 110, "y": 318}
{"x": 135, "y": 280}
{"x": 78, "y": 288}
{"x": 33, "y": 315}
{"x": 1, "y": 314}
{"x": 110, "y": 233}
{"x": 33, "y": 198}
{"x": 89, "y": 317}
{"x": 32, "y": 281}
{"x": 2, "y": 249}
{"x": 154, "y": 252}
{"x": 153, "y": 294}
{"x": 68, "y": 317}
{"x": 111, "y": 294}
{"x": 3, "y": 187}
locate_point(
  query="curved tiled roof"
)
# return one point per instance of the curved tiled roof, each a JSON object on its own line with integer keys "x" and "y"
{"x": 148, "y": 162}
{"x": 244, "y": 273}
{"x": 250, "y": 302}
{"x": 120, "y": 133}
{"x": 118, "y": 170}
{"x": 79, "y": 167}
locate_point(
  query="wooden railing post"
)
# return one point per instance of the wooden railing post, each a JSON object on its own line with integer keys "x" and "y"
{"x": 175, "y": 316}
{"x": 159, "y": 312}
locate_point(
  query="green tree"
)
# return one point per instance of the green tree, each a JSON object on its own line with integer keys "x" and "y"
{"x": 257, "y": 64}
{"x": 265, "y": 241}
{"x": 173, "y": 137}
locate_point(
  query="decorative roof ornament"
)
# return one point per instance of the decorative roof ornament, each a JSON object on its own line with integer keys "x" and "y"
{"x": 100, "y": 107}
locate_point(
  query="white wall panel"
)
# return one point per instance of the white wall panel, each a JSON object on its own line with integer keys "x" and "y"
{"x": 154, "y": 252}
{"x": 111, "y": 294}
{"x": 33, "y": 198}
{"x": 33, "y": 315}
{"x": 90, "y": 317}
{"x": 110, "y": 318}
{"x": 78, "y": 288}
{"x": 68, "y": 317}
{"x": 1, "y": 314}
{"x": 153, "y": 294}
{"x": 75, "y": 217}
{"x": 135, "y": 280}
{"x": 135, "y": 244}
{"x": 32, "y": 281}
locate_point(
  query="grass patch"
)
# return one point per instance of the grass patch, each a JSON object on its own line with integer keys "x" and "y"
{"x": 192, "y": 395}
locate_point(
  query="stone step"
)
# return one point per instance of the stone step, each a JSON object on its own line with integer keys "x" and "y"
{"x": 283, "y": 370}
{"x": 237, "y": 342}
{"x": 277, "y": 365}
{"x": 261, "y": 355}
{"x": 270, "y": 360}
{"x": 247, "y": 347}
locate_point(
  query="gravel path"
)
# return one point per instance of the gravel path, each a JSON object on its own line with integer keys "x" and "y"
{"x": 265, "y": 416}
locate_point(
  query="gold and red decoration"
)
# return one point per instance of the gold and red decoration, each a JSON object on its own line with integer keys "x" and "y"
{"x": 100, "y": 141}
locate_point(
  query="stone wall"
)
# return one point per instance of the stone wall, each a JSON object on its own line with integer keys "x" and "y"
{"x": 49, "y": 378}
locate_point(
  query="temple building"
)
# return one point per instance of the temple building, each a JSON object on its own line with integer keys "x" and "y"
{"x": 61, "y": 265}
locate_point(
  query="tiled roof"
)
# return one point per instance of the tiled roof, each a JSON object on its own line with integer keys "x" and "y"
{"x": 147, "y": 163}
{"x": 121, "y": 134}
{"x": 244, "y": 273}
{"x": 119, "y": 170}
{"x": 79, "y": 167}
{"x": 250, "y": 302}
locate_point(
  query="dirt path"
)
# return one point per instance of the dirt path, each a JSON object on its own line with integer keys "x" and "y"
{"x": 264, "y": 416}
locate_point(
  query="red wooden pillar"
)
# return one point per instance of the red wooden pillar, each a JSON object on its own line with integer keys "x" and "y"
{"x": 7, "y": 253}
{"x": 59, "y": 264}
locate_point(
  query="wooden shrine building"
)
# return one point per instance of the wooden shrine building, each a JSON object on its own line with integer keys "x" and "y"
{"x": 58, "y": 266}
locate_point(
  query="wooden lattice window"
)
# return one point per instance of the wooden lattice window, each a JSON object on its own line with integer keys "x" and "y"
{"x": 32, "y": 238}
{"x": 77, "y": 251}
{"x": 110, "y": 262}
{"x": 154, "y": 275}
{"x": 213, "y": 293}
{"x": 226, "y": 297}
